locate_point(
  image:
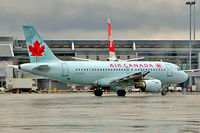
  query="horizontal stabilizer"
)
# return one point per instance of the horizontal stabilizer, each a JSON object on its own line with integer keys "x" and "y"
{"x": 13, "y": 66}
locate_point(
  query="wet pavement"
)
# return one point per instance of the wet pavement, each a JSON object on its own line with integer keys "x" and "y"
{"x": 85, "y": 113}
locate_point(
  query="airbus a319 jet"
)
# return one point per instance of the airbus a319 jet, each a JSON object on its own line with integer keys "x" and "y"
{"x": 148, "y": 76}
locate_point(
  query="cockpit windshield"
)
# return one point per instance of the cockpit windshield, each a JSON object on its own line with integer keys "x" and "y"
{"x": 178, "y": 69}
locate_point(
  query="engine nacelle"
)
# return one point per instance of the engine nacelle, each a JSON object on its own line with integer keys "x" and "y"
{"x": 149, "y": 85}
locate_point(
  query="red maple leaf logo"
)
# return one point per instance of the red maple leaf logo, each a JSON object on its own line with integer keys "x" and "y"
{"x": 36, "y": 50}
{"x": 159, "y": 65}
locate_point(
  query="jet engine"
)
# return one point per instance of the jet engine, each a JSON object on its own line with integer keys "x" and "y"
{"x": 149, "y": 85}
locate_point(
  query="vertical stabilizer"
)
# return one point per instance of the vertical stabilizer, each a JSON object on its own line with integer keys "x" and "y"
{"x": 37, "y": 49}
{"x": 111, "y": 42}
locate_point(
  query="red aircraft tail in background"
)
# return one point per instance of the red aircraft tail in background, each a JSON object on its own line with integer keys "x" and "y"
{"x": 111, "y": 43}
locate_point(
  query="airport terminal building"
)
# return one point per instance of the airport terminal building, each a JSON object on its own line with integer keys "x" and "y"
{"x": 174, "y": 51}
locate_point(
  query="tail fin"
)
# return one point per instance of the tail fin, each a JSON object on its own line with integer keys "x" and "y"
{"x": 37, "y": 49}
{"x": 110, "y": 42}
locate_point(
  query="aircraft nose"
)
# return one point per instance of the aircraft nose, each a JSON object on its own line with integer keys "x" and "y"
{"x": 184, "y": 76}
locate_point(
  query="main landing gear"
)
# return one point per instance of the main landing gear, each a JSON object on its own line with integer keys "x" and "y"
{"x": 121, "y": 92}
{"x": 98, "y": 92}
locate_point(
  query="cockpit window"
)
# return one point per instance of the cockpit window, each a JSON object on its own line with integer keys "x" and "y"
{"x": 178, "y": 69}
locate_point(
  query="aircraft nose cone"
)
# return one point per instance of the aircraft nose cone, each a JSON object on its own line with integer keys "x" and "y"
{"x": 184, "y": 77}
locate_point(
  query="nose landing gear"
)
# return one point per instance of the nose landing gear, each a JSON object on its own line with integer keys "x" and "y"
{"x": 163, "y": 91}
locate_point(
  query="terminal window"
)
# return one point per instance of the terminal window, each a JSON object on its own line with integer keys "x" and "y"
{"x": 97, "y": 57}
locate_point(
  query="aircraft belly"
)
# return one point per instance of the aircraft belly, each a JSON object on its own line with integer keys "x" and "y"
{"x": 90, "y": 78}
{"x": 83, "y": 78}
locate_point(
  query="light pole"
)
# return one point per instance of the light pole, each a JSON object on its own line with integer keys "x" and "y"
{"x": 194, "y": 19}
{"x": 190, "y": 3}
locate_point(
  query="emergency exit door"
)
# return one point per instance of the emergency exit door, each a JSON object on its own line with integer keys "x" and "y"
{"x": 65, "y": 70}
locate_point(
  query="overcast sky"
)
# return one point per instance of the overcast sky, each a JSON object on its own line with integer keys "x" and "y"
{"x": 87, "y": 19}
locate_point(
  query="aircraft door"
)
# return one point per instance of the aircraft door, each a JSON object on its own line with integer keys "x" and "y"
{"x": 169, "y": 70}
{"x": 65, "y": 70}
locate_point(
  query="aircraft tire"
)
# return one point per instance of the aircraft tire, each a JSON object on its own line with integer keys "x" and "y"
{"x": 121, "y": 92}
{"x": 98, "y": 92}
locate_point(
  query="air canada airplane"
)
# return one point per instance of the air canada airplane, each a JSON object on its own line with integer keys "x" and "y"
{"x": 146, "y": 75}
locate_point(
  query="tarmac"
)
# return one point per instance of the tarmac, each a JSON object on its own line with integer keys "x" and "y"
{"x": 85, "y": 113}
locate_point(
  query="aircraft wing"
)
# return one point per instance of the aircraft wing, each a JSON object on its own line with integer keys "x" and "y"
{"x": 83, "y": 59}
{"x": 131, "y": 78}
{"x": 193, "y": 70}
{"x": 135, "y": 59}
